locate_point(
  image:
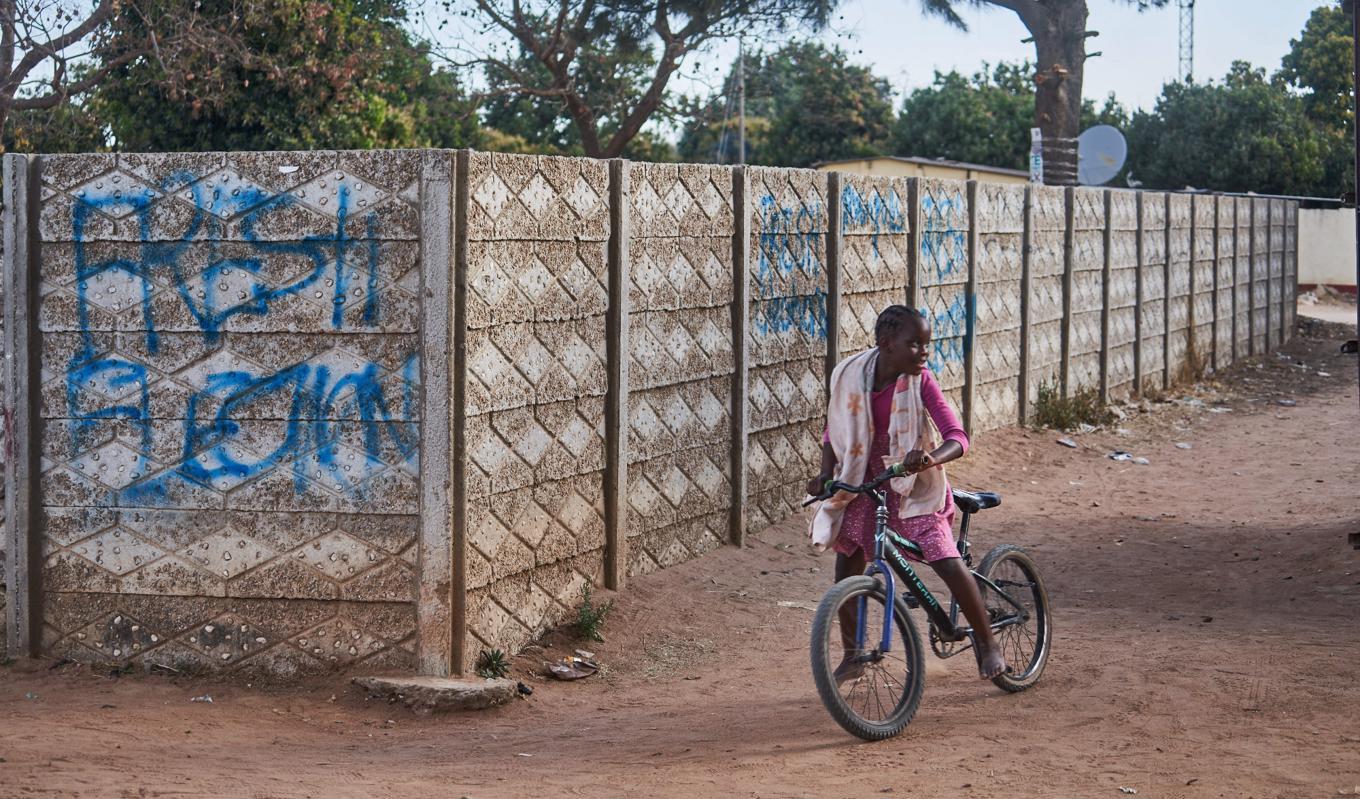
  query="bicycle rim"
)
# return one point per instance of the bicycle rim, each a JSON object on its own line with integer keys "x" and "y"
{"x": 873, "y": 693}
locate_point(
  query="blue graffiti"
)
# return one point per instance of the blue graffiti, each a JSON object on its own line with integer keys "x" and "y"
{"x": 211, "y": 306}
{"x": 943, "y": 248}
{"x": 321, "y": 404}
{"x": 340, "y": 427}
{"x": 879, "y": 214}
{"x": 789, "y": 270}
{"x": 952, "y": 332}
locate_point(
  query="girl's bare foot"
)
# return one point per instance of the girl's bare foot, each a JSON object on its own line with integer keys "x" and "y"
{"x": 848, "y": 670}
{"x": 991, "y": 664}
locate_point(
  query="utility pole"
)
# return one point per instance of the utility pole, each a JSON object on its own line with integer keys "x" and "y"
{"x": 1187, "y": 50}
{"x": 741, "y": 100}
{"x": 1355, "y": 195}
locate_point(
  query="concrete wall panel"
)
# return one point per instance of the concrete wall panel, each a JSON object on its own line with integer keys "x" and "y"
{"x": 1179, "y": 254}
{"x": 230, "y": 390}
{"x": 1046, "y": 289}
{"x": 1153, "y": 307}
{"x": 537, "y": 295}
{"x": 1000, "y": 241}
{"x": 1088, "y": 287}
{"x": 1123, "y": 292}
{"x": 875, "y": 225}
{"x": 681, "y": 351}
{"x": 787, "y": 338}
{"x": 942, "y": 217}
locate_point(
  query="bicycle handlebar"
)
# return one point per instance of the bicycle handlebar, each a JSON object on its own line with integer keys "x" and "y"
{"x": 830, "y": 488}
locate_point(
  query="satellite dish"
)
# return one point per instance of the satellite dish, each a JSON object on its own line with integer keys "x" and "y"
{"x": 1101, "y": 151}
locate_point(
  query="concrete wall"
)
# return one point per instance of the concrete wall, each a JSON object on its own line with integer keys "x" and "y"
{"x": 228, "y": 409}
{"x": 383, "y": 411}
{"x": 1326, "y": 246}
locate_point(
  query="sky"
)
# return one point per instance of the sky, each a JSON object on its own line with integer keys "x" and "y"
{"x": 1140, "y": 50}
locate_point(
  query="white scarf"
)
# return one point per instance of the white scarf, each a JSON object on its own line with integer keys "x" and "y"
{"x": 850, "y": 426}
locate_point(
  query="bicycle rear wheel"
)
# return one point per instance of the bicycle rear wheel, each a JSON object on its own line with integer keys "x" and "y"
{"x": 1024, "y": 644}
{"x": 870, "y": 692}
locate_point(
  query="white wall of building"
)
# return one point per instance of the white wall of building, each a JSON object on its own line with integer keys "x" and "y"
{"x": 1327, "y": 246}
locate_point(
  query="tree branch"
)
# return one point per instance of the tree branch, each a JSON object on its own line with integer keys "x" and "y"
{"x": 61, "y": 92}
{"x": 53, "y": 47}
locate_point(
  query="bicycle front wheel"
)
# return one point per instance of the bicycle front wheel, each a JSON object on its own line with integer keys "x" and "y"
{"x": 871, "y": 691}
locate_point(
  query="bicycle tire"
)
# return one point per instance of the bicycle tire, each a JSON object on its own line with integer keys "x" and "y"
{"x": 824, "y": 627}
{"x": 1026, "y": 646}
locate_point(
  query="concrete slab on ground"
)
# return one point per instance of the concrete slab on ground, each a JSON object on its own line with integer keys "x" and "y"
{"x": 438, "y": 694}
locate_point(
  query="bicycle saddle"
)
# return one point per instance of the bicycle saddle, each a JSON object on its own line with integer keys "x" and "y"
{"x": 974, "y": 501}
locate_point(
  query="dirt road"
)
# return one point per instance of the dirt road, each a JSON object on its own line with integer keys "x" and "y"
{"x": 1207, "y": 645}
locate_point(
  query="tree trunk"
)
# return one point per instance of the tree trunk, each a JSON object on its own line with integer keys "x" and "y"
{"x": 1060, "y": 45}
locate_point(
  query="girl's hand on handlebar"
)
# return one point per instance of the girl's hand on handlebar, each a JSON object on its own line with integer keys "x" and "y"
{"x": 817, "y": 485}
{"x": 917, "y": 461}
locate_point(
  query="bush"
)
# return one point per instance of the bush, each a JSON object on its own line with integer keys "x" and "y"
{"x": 1052, "y": 409}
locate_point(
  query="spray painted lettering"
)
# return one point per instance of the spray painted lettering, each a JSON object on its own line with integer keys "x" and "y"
{"x": 877, "y": 214}
{"x": 789, "y": 270}
{"x": 336, "y": 420}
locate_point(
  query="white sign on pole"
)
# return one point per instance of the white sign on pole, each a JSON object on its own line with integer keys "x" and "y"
{"x": 1036, "y": 155}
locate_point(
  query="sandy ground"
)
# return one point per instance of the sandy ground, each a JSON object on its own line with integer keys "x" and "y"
{"x": 1330, "y": 310}
{"x": 1207, "y": 645}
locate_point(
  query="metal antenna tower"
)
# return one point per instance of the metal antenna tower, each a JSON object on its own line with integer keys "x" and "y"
{"x": 1187, "y": 50}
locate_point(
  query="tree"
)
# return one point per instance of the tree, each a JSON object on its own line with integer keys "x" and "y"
{"x": 67, "y": 128}
{"x": 1058, "y": 28}
{"x": 51, "y": 52}
{"x": 607, "y": 67}
{"x": 536, "y": 124}
{"x": 1320, "y": 66}
{"x": 335, "y": 75}
{"x": 805, "y": 103}
{"x": 711, "y": 132}
{"x": 836, "y": 110}
{"x": 985, "y": 119}
{"x": 1248, "y": 133}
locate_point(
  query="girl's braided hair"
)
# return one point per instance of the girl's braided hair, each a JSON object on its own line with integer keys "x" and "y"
{"x": 894, "y": 319}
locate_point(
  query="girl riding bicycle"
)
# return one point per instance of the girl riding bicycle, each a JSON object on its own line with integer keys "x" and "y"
{"x": 901, "y": 397}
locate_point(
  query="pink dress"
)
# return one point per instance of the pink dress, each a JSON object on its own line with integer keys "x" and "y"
{"x": 934, "y": 532}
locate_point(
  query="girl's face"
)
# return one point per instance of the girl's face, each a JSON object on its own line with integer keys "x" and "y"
{"x": 908, "y": 349}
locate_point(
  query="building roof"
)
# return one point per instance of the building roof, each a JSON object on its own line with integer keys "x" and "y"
{"x": 916, "y": 159}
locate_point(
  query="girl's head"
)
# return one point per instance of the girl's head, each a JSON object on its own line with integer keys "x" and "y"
{"x": 903, "y": 337}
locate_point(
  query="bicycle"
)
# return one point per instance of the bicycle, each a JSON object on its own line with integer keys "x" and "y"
{"x": 1012, "y": 591}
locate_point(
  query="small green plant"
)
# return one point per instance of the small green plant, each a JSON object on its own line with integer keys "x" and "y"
{"x": 590, "y": 617}
{"x": 1052, "y": 409}
{"x": 492, "y": 664}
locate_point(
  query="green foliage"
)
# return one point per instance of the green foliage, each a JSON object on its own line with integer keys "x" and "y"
{"x": 805, "y": 103}
{"x": 590, "y": 617}
{"x": 71, "y": 127}
{"x": 1247, "y": 133}
{"x": 614, "y": 65}
{"x": 336, "y": 75}
{"x": 1053, "y": 410}
{"x": 837, "y": 110}
{"x": 590, "y": 77}
{"x": 492, "y": 664}
{"x": 1320, "y": 66}
{"x": 985, "y": 119}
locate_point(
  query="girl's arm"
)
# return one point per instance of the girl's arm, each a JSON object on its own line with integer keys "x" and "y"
{"x": 955, "y": 442}
{"x": 817, "y": 484}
